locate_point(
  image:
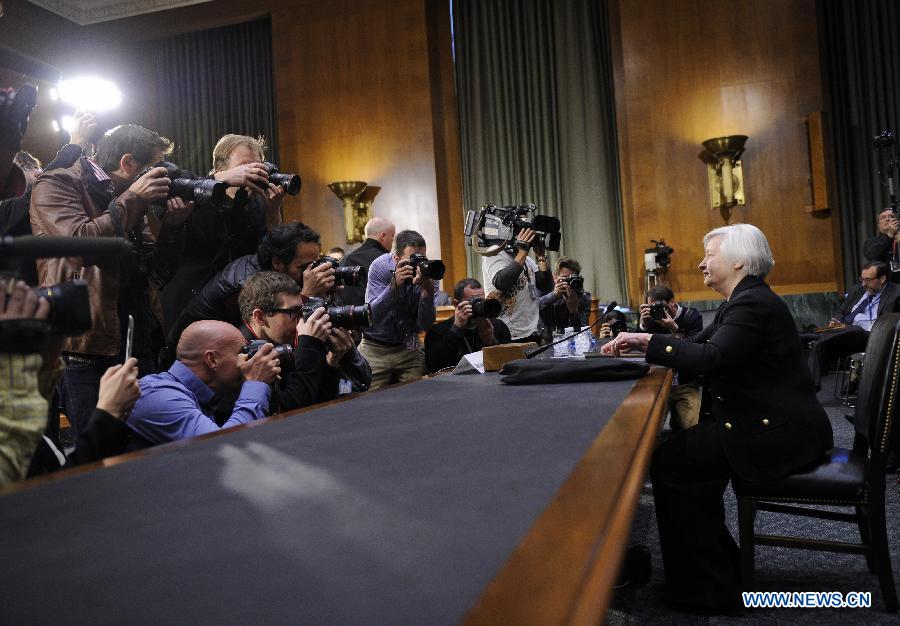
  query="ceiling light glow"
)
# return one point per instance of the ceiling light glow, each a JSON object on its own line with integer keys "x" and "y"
{"x": 91, "y": 93}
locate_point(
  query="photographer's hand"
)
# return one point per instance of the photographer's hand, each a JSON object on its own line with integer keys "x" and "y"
{"x": 523, "y": 245}
{"x": 485, "y": 331}
{"x": 252, "y": 176}
{"x": 646, "y": 320}
{"x": 318, "y": 325}
{"x": 119, "y": 389}
{"x": 85, "y": 127}
{"x": 462, "y": 315}
{"x": 669, "y": 322}
{"x": 426, "y": 283}
{"x": 403, "y": 273}
{"x": 177, "y": 211}
{"x": 318, "y": 281}
{"x": 341, "y": 343}
{"x": 605, "y": 331}
{"x": 561, "y": 287}
{"x": 262, "y": 367}
{"x": 18, "y": 301}
{"x": 152, "y": 186}
{"x": 273, "y": 199}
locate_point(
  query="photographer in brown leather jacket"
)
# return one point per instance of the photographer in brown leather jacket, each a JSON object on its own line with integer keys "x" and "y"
{"x": 110, "y": 196}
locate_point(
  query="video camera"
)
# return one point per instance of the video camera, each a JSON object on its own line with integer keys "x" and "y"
{"x": 351, "y": 275}
{"x": 290, "y": 182}
{"x": 348, "y": 316}
{"x": 492, "y": 229}
{"x": 658, "y": 257}
{"x": 284, "y": 352}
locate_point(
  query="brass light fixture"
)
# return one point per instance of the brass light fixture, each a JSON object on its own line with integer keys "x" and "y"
{"x": 363, "y": 211}
{"x": 348, "y": 191}
{"x": 722, "y": 156}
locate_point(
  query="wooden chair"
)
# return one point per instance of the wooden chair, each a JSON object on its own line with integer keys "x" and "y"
{"x": 844, "y": 478}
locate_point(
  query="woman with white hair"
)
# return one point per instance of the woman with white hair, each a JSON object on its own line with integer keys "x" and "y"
{"x": 759, "y": 420}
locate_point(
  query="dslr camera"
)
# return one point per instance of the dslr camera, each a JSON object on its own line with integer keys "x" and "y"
{"x": 482, "y": 307}
{"x": 433, "y": 269}
{"x": 352, "y": 275}
{"x": 189, "y": 187}
{"x": 284, "y": 352}
{"x": 575, "y": 282}
{"x": 348, "y": 316}
{"x": 492, "y": 229}
{"x": 290, "y": 182}
{"x": 657, "y": 311}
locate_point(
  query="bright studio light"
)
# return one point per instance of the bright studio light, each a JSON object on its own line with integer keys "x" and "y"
{"x": 68, "y": 123}
{"x": 93, "y": 94}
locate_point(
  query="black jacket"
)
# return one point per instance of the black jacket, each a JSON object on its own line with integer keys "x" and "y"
{"x": 217, "y": 300}
{"x": 758, "y": 388}
{"x": 363, "y": 256}
{"x": 889, "y": 303}
{"x": 444, "y": 347}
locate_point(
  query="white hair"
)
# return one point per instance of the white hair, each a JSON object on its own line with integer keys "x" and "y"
{"x": 744, "y": 243}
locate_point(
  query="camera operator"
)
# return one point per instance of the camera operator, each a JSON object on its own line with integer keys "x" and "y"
{"x": 402, "y": 301}
{"x": 110, "y": 197}
{"x": 379, "y": 239}
{"x": 325, "y": 359}
{"x": 883, "y": 246}
{"x": 288, "y": 248}
{"x": 662, "y": 315}
{"x": 520, "y": 279}
{"x": 217, "y": 236}
{"x": 178, "y": 403}
{"x": 568, "y": 305}
{"x": 448, "y": 341}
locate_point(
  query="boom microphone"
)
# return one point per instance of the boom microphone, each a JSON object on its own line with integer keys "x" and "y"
{"x": 31, "y": 247}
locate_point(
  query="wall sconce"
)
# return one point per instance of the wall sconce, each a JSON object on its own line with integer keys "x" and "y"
{"x": 726, "y": 174}
{"x": 348, "y": 191}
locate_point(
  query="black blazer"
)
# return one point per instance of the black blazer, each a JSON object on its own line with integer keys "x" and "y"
{"x": 363, "y": 256}
{"x": 760, "y": 392}
{"x": 889, "y": 303}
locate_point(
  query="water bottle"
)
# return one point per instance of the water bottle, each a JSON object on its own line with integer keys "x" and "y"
{"x": 582, "y": 343}
{"x": 570, "y": 345}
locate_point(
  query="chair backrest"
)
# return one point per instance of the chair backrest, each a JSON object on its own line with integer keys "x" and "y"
{"x": 879, "y": 385}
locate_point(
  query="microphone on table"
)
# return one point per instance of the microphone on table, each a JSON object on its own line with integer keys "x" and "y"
{"x": 533, "y": 352}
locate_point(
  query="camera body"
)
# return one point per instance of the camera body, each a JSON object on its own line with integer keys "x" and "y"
{"x": 284, "y": 352}
{"x": 618, "y": 326}
{"x": 657, "y": 311}
{"x": 494, "y": 228}
{"x": 485, "y": 307}
{"x": 575, "y": 283}
{"x": 351, "y": 275}
{"x": 290, "y": 182}
{"x": 189, "y": 187}
{"x": 433, "y": 269}
{"x": 348, "y": 316}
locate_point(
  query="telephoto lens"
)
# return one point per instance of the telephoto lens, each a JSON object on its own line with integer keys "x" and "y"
{"x": 70, "y": 307}
{"x": 485, "y": 307}
{"x": 349, "y": 317}
{"x": 433, "y": 269}
{"x": 351, "y": 275}
{"x": 290, "y": 182}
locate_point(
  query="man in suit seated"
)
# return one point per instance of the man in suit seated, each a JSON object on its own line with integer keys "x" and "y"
{"x": 850, "y": 326}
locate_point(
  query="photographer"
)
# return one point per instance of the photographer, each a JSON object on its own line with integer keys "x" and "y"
{"x": 662, "y": 315}
{"x": 219, "y": 235}
{"x": 288, "y": 248}
{"x": 379, "y": 239}
{"x": 402, "y": 300}
{"x": 883, "y": 246}
{"x": 178, "y": 403}
{"x": 448, "y": 341}
{"x": 110, "y": 197}
{"x": 519, "y": 280}
{"x": 568, "y": 305}
{"x": 325, "y": 359}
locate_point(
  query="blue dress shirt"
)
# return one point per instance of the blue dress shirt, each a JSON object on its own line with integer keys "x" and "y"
{"x": 177, "y": 405}
{"x": 397, "y": 314}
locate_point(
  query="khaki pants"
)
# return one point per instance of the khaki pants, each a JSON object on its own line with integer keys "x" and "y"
{"x": 684, "y": 404}
{"x": 392, "y": 365}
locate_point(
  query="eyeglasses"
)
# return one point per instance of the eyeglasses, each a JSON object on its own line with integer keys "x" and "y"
{"x": 295, "y": 312}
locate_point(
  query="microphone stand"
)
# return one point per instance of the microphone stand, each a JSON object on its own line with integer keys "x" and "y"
{"x": 533, "y": 352}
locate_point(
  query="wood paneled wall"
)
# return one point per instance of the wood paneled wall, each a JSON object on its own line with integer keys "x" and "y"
{"x": 364, "y": 91}
{"x": 691, "y": 70}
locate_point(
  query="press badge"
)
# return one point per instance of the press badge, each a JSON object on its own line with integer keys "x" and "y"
{"x": 345, "y": 387}
{"x": 412, "y": 342}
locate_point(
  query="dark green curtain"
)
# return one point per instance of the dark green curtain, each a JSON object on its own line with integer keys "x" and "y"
{"x": 860, "y": 44}
{"x": 214, "y": 82}
{"x": 537, "y": 122}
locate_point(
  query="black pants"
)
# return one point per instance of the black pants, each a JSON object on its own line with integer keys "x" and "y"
{"x": 700, "y": 558}
{"x": 831, "y": 345}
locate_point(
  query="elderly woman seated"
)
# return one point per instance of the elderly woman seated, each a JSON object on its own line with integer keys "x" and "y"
{"x": 763, "y": 422}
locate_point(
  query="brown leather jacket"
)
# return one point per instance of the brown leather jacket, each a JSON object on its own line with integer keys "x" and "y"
{"x": 72, "y": 202}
